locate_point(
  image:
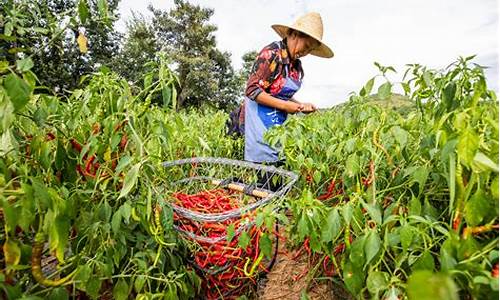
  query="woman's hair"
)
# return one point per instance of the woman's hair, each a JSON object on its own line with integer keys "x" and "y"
{"x": 299, "y": 34}
{"x": 291, "y": 32}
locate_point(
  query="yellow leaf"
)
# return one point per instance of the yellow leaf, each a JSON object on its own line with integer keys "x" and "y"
{"x": 11, "y": 252}
{"x": 82, "y": 42}
{"x": 107, "y": 155}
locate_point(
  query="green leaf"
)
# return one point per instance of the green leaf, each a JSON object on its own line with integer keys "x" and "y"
{"x": 353, "y": 278}
{"x": 244, "y": 240}
{"x": 481, "y": 280}
{"x": 120, "y": 290}
{"x": 384, "y": 91}
{"x": 482, "y": 163}
{"x": 494, "y": 188}
{"x": 126, "y": 211}
{"x": 347, "y": 212}
{"x": 259, "y": 219}
{"x": 406, "y": 234}
{"x": 18, "y": 90}
{"x": 148, "y": 80}
{"x": 83, "y": 275}
{"x": 460, "y": 121}
{"x": 406, "y": 88}
{"x": 102, "y": 6}
{"x": 83, "y": 11}
{"x": 166, "y": 94}
{"x": 377, "y": 282}
{"x": 372, "y": 245}
{"x": 448, "y": 95}
{"x": 139, "y": 282}
{"x": 415, "y": 206}
{"x": 420, "y": 175}
{"x": 24, "y": 65}
{"x": 265, "y": 245}
{"x": 367, "y": 89}
{"x": 424, "y": 262}
{"x": 9, "y": 27}
{"x": 8, "y": 142}
{"x": 58, "y": 236}
{"x": 400, "y": 135}
{"x": 447, "y": 254}
{"x": 427, "y": 77}
{"x": 468, "y": 143}
{"x": 352, "y": 165}
{"x": 477, "y": 208}
{"x": 116, "y": 221}
{"x": 438, "y": 286}
{"x": 269, "y": 221}
{"x": 317, "y": 177}
{"x": 303, "y": 228}
{"x": 466, "y": 248}
{"x": 230, "y": 232}
{"x": 7, "y": 115}
{"x": 130, "y": 180}
{"x": 204, "y": 144}
{"x": 59, "y": 293}
{"x": 430, "y": 210}
{"x": 332, "y": 227}
{"x": 374, "y": 211}
{"x": 123, "y": 162}
{"x": 357, "y": 254}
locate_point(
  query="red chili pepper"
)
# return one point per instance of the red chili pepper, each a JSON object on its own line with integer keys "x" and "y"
{"x": 325, "y": 267}
{"x": 329, "y": 192}
{"x": 494, "y": 271}
{"x": 50, "y": 136}
{"x": 88, "y": 166}
{"x": 457, "y": 220}
{"x": 76, "y": 145}
{"x": 96, "y": 128}
{"x": 339, "y": 249}
{"x": 123, "y": 141}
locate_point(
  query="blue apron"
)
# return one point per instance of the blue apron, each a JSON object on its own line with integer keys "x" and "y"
{"x": 259, "y": 118}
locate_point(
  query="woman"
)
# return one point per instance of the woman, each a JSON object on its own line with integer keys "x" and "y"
{"x": 276, "y": 76}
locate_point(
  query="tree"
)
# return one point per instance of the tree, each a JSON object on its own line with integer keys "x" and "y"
{"x": 47, "y": 31}
{"x": 138, "y": 48}
{"x": 205, "y": 73}
{"x": 248, "y": 61}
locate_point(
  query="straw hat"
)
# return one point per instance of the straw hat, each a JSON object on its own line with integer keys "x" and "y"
{"x": 312, "y": 25}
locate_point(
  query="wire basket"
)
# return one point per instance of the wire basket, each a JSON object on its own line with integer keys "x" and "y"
{"x": 265, "y": 184}
{"x": 194, "y": 191}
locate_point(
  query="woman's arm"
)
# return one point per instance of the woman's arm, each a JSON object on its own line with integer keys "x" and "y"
{"x": 288, "y": 106}
{"x": 307, "y": 107}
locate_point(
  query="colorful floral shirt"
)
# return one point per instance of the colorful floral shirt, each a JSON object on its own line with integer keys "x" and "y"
{"x": 269, "y": 69}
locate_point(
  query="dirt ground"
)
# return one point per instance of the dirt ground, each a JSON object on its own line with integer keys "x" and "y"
{"x": 280, "y": 283}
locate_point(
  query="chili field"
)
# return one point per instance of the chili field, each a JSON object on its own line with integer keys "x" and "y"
{"x": 393, "y": 201}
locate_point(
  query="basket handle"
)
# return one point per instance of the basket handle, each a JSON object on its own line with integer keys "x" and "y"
{"x": 241, "y": 188}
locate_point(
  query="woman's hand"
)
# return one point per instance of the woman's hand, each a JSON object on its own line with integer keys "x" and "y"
{"x": 308, "y": 108}
{"x": 293, "y": 107}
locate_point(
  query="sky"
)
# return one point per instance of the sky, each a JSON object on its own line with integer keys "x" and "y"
{"x": 394, "y": 33}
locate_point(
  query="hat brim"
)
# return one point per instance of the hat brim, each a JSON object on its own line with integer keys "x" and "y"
{"x": 322, "y": 51}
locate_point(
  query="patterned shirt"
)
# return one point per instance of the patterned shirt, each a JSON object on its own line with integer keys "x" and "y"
{"x": 269, "y": 69}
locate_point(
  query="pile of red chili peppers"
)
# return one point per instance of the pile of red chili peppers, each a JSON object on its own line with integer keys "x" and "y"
{"x": 226, "y": 268}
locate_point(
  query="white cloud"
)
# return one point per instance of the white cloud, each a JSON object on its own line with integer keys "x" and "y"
{"x": 393, "y": 32}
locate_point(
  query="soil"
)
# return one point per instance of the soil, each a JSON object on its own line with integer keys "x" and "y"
{"x": 280, "y": 283}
